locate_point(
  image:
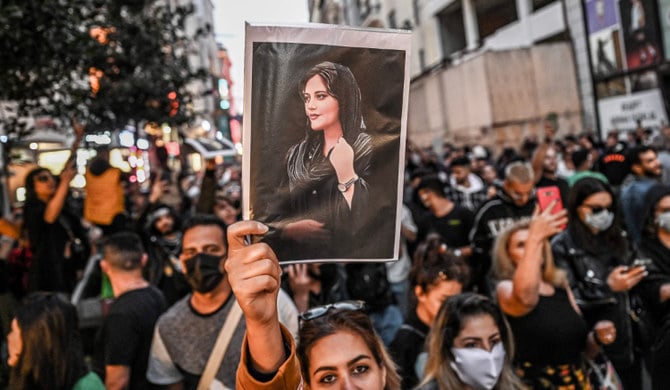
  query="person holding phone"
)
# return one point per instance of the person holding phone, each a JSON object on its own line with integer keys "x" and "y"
{"x": 595, "y": 254}
{"x": 540, "y": 308}
{"x": 655, "y": 288}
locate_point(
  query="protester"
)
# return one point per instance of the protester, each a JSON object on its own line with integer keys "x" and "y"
{"x": 314, "y": 284}
{"x": 57, "y": 239}
{"x": 514, "y": 202}
{"x": 45, "y": 348}
{"x": 104, "y": 202}
{"x": 534, "y": 295}
{"x": 595, "y": 254}
{"x": 465, "y": 188}
{"x": 646, "y": 171}
{"x": 470, "y": 346}
{"x": 185, "y": 335}
{"x": 338, "y": 346}
{"x": 124, "y": 340}
{"x": 436, "y": 275}
{"x": 655, "y": 288}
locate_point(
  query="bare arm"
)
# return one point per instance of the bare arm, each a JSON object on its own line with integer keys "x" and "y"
{"x": 520, "y": 295}
{"x": 117, "y": 377}
{"x": 56, "y": 203}
{"x": 538, "y": 160}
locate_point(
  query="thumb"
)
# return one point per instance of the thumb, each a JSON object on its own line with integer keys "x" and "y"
{"x": 238, "y": 231}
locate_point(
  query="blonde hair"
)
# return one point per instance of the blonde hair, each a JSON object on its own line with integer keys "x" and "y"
{"x": 519, "y": 172}
{"x": 503, "y": 267}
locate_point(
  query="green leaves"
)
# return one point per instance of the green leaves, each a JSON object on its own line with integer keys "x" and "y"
{"x": 109, "y": 62}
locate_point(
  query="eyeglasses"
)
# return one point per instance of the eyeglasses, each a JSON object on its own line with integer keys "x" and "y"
{"x": 596, "y": 209}
{"x": 43, "y": 178}
{"x": 320, "y": 311}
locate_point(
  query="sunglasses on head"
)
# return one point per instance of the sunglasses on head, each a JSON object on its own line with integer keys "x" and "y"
{"x": 320, "y": 311}
{"x": 597, "y": 209}
{"x": 43, "y": 178}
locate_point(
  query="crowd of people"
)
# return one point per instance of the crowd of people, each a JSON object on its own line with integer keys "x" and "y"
{"x": 491, "y": 291}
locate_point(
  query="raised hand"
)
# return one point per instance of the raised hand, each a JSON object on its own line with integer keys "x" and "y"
{"x": 545, "y": 224}
{"x": 253, "y": 273}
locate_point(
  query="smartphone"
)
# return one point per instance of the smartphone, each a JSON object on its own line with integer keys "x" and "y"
{"x": 547, "y": 195}
{"x": 640, "y": 263}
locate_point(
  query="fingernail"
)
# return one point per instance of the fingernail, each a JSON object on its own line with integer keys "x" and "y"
{"x": 264, "y": 228}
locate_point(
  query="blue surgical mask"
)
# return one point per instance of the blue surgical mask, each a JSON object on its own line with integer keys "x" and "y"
{"x": 600, "y": 221}
{"x": 477, "y": 367}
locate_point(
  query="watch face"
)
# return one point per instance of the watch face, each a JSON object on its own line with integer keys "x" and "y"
{"x": 341, "y": 187}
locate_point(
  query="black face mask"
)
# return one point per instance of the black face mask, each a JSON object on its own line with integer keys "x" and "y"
{"x": 203, "y": 272}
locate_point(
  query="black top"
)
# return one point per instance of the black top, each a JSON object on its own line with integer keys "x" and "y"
{"x": 453, "y": 227}
{"x": 126, "y": 334}
{"x": 553, "y": 333}
{"x": 408, "y": 344}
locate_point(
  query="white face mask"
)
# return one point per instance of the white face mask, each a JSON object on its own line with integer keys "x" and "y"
{"x": 479, "y": 368}
{"x": 600, "y": 221}
{"x": 663, "y": 221}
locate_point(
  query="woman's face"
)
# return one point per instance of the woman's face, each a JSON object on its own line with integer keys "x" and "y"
{"x": 431, "y": 300}
{"x": 343, "y": 361}
{"x": 479, "y": 331}
{"x": 14, "y": 344}
{"x": 225, "y": 212}
{"x": 516, "y": 247}
{"x": 322, "y": 109}
{"x": 45, "y": 185}
{"x": 594, "y": 204}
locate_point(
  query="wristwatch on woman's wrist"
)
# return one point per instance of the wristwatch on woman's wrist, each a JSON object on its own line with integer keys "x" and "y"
{"x": 344, "y": 187}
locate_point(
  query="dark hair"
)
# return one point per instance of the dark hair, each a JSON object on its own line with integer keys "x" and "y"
{"x": 352, "y": 321}
{"x": 30, "y": 183}
{"x": 341, "y": 84}
{"x": 433, "y": 183}
{"x": 52, "y": 355}
{"x": 206, "y": 220}
{"x": 123, "y": 250}
{"x": 651, "y": 199}
{"x": 461, "y": 162}
{"x": 449, "y": 322}
{"x": 151, "y": 218}
{"x": 634, "y": 153}
{"x": 610, "y": 239}
{"x": 579, "y": 156}
{"x": 432, "y": 263}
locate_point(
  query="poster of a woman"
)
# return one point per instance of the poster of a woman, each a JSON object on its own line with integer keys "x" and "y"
{"x": 324, "y": 132}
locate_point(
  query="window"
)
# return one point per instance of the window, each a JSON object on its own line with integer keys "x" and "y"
{"x": 494, "y": 14}
{"x": 452, "y": 30}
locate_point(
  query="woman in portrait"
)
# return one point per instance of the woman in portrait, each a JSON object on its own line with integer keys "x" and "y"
{"x": 327, "y": 169}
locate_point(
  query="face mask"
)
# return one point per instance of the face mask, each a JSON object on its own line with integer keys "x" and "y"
{"x": 663, "y": 221}
{"x": 478, "y": 368}
{"x": 203, "y": 272}
{"x": 600, "y": 221}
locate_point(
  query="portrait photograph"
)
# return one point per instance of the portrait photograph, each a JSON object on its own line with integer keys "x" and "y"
{"x": 325, "y": 113}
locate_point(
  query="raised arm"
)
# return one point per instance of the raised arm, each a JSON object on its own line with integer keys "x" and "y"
{"x": 520, "y": 295}
{"x": 255, "y": 277}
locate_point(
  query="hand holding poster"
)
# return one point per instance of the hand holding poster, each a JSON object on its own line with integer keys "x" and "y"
{"x": 324, "y": 139}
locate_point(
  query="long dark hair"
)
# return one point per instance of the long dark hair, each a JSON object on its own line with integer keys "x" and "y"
{"x": 352, "y": 321}
{"x": 52, "y": 355}
{"x": 341, "y": 84}
{"x": 610, "y": 239}
{"x": 30, "y": 183}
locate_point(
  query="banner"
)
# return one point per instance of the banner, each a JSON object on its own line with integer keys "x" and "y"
{"x": 623, "y": 112}
{"x": 324, "y": 139}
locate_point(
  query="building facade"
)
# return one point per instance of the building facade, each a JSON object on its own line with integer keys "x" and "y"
{"x": 485, "y": 71}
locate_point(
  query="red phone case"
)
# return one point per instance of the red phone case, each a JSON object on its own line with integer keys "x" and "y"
{"x": 546, "y": 195}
